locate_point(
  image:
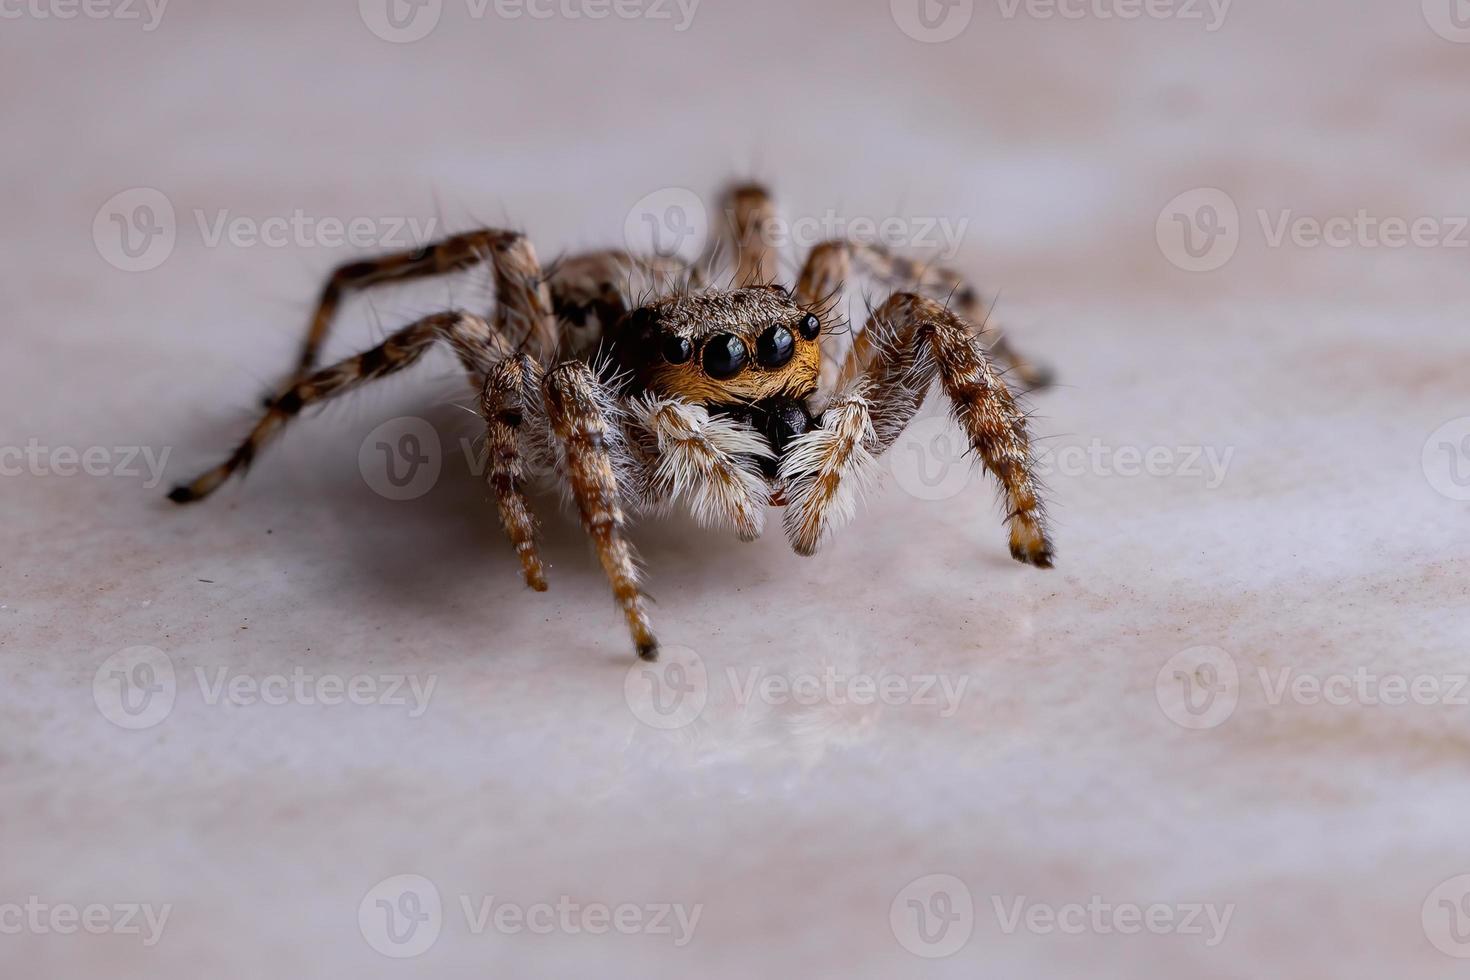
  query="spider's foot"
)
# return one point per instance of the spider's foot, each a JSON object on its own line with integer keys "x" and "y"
{"x": 184, "y": 495}
{"x": 1030, "y": 545}
{"x": 648, "y": 650}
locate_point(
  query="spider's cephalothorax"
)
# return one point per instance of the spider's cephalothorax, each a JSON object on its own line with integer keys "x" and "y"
{"x": 725, "y": 400}
{"x": 750, "y": 354}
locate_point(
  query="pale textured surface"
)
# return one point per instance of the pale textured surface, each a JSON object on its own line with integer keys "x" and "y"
{"x": 1325, "y": 547}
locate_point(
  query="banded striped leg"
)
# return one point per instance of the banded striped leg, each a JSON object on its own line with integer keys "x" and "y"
{"x": 511, "y": 394}
{"x": 523, "y": 304}
{"x": 826, "y": 471}
{"x": 596, "y": 460}
{"x": 751, "y": 214}
{"x": 829, "y": 269}
{"x": 709, "y": 462}
{"x": 473, "y": 340}
{"x": 913, "y": 341}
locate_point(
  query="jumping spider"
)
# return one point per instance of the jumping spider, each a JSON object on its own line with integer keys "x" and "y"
{"x": 727, "y": 400}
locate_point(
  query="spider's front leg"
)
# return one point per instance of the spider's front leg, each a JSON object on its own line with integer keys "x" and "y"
{"x": 597, "y": 463}
{"x": 710, "y": 462}
{"x": 911, "y": 342}
{"x": 511, "y": 393}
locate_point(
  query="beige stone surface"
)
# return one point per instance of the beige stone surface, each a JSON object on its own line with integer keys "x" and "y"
{"x": 1326, "y": 549}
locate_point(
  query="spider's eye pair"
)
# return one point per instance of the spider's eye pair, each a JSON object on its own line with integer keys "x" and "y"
{"x": 726, "y": 356}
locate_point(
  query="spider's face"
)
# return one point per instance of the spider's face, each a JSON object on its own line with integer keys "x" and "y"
{"x": 723, "y": 348}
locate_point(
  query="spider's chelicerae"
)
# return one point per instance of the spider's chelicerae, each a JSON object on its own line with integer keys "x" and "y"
{"x": 638, "y": 387}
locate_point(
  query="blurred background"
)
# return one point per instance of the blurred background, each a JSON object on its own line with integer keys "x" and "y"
{"x": 317, "y": 727}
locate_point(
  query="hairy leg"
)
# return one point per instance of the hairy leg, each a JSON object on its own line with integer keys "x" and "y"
{"x": 596, "y": 461}
{"x": 523, "y": 304}
{"x": 473, "y": 340}
{"x": 751, "y": 211}
{"x": 709, "y": 462}
{"x": 826, "y": 470}
{"x": 829, "y": 272}
{"x": 912, "y": 341}
{"x": 511, "y": 394}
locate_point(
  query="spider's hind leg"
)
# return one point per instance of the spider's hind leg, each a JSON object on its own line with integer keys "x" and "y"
{"x": 523, "y": 304}
{"x": 474, "y": 341}
{"x": 828, "y": 273}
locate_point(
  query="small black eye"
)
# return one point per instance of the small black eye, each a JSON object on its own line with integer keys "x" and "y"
{"x": 724, "y": 356}
{"x": 775, "y": 347}
{"x": 677, "y": 350}
{"x": 810, "y": 326}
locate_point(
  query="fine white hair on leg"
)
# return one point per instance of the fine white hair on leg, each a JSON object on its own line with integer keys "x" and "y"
{"x": 826, "y": 471}
{"x": 706, "y": 461}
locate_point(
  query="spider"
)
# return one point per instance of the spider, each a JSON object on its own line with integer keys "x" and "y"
{"x": 726, "y": 400}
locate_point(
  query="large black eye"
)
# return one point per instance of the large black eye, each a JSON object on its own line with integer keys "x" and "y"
{"x": 724, "y": 356}
{"x": 775, "y": 347}
{"x": 810, "y": 326}
{"x": 677, "y": 350}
